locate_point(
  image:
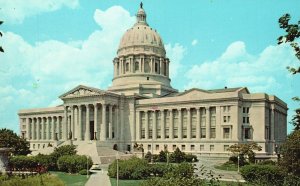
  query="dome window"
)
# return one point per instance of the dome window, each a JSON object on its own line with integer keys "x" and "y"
{"x": 148, "y": 78}
{"x": 127, "y": 67}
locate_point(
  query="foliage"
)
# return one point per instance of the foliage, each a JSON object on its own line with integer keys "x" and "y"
{"x": 23, "y": 163}
{"x": 46, "y": 161}
{"x": 73, "y": 163}
{"x": 62, "y": 151}
{"x": 263, "y": 174}
{"x": 290, "y": 151}
{"x": 296, "y": 119}
{"x": 177, "y": 156}
{"x": 291, "y": 180}
{"x": 83, "y": 172}
{"x": 267, "y": 162}
{"x": 162, "y": 157}
{"x": 148, "y": 156}
{"x": 243, "y": 149}
{"x": 174, "y": 181}
{"x": 190, "y": 158}
{"x": 133, "y": 168}
{"x": 229, "y": 166}
{"x": 39, "y": 180}
{"x": 183, "y": 170}
{"x": 71, "y": 179}
{"x": 9, "y": 139}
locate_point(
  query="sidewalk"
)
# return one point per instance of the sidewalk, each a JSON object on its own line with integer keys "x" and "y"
{"x": 99, "y": 178}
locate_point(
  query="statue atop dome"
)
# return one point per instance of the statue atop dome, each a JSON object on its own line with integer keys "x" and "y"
{"x": 141, "y": 4}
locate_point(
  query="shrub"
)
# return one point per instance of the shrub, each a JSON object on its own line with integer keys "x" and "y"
{"x": 160, "y": 169}
{"x": 263, "y": 174}
{"x": 190, "y": 158}
{"x": 83, "y": 172}
{"x": 178, "y": 181}
{"x": 267, "y": 162}
{"x": 162, "y": 157}
{"x": 73, "y": 163}
{"x": 62, "y": 151}
{"x": 182, "y": 170}
{"x": 23, "y": 163}
{"x": 177, "y": 156}
{"x": 148, "y": 156}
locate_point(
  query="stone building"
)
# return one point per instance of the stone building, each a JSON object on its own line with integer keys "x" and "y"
{"x": 142, "y": 107}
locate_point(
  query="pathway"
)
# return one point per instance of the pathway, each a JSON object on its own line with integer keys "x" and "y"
{"x": 98, "y": 178}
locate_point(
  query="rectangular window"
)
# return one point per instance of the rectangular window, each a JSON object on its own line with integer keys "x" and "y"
{"x": 156, "y": 147}
{"x": 245, "y": 110}
{"x": 201, "y": 147}
{"x": 149, "y": 147}
{"x": 226, "y": 147}
{"x": 224, "y": 119}
{"x": 203, "y": 133}
{"x": 228, "y": 108}
{"x": 212, "y": 132}
{"x": 224, "y": 108}
{"x": 182, "y": 147}
{"x": 192, "y": 147}
{"x": 245, "y": 119}
{"x": 247, "y": 133}
{"x": 174, "y": 147}
{"x": 184, "y": 123}
{"x": 228, "y": 119}
{"x": 226, "y": 133}
{"x": 211, "y": 148}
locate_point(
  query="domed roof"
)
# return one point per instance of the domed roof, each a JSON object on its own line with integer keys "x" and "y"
{"x": 141, "y": 34}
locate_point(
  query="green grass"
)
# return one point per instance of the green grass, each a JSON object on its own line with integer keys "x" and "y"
{"x": 39, "y": 180}
{"x": 71, "y": 179}
{"x": 113, "y": 182}
{"x": 227, "y": 166}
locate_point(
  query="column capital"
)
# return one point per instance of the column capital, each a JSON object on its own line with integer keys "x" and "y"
{"x": 95, "y": 104}
{"x": 207, "y": 107}
{"x": 79, "y": 107}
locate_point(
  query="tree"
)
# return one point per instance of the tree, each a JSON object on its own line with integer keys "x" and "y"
{"x": 62, "y": 151}
{"x": 291, "y": 37}
{"x": 9, "y": 139}
{"x": 243, "y": 149}
{"x": 290, "y": 151}
{"x": 1, "y": 49}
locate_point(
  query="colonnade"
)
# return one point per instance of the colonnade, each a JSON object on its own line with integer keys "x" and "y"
{"x": 182, "y": 123}
{"x": 90, "y": 121}
{"x": 44, "y": 128}
{"x": 154, "y": 65}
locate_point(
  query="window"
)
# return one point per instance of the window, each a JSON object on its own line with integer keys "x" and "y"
{"x": 201, "y": 147}
{"x": 224, "y": 119}
{"x": 149, "y": 147}
{"x": 211, "y": 148}
{"x": 226, "y": 147}
{"x": 156, "y": 147}
{"x": 212, "y": 132}
{"x": 127, "y": 67}
{"x": 174, "y": 147}
{"x": 226, "y": 133}
{"x": 165, "y": 147}
{"x": 136, "y": 66}
{"x": 156, "y": 67}
{"x": 245, "y": 119}
{"x": 192, "y": 147}
{"x": 228, "y": 119}
{"x": 247, "y": 133}
{"x": 203, "y": 133}
{"x": 182, "y": 147}
{"x": 246, "y": 110}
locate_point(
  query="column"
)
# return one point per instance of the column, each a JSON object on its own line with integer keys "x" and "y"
{"x": 72, "y": 124}
{"x": 80, "y": 122}
{"x": 110, "y": 122}
{"x": 160, "y": 66}
{"x": 53, "y": 128}
{"x": 171, "y": 127}
{"x": 207, "y": 122}
{"x": 87, "y": 123}
{"x": 31, "y": 129}
{"x": 198, "y": 124}
{"x": 48, "y": 129}
{"x": 188, "y": 123}
{"x": 151, "y": 65}
{"x": 179, "y": 124}
{"x": 38, "y": 136}
{"x": 147, "y": 125}
{"x": 143, "y": 64}
{"x": 167, "y": 68}
{"x": 154, "y": 125}
{"x": 34, "y": 128}
{"x": 58, "y": 127}
{"x": 65, "y": 125}
{"x": 27, "y": 129}
{"x": 43, "y": 128}
{"x": 95, "y": 121}
{"x": 103, "y": 125}
{"x": 117, "y": 133}
{"x": 162, "y": 120}
{"x": 138, "y": 130}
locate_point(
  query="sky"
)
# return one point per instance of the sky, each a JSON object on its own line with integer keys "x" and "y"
{"x": 52, "y": 46}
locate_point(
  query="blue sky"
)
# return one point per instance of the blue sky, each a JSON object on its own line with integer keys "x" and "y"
{"x": 52, "y": 46}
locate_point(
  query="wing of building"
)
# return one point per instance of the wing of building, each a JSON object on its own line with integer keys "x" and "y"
{"x": 141, "y": 107}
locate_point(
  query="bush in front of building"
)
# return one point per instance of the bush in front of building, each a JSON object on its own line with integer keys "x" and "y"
{"x": 263, "y": 174}
{"x": 22, "y": 163}
{"x": 73, "y": 163}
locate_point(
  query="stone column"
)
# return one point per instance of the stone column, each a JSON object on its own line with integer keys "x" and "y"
{"x": 147, "y": 125}
{"x": 198, "y": 124}
{"x": 43, "y": 128}
{"x": 138, "y": 121}
{"x": 87, "y": 123}
{"x": 38, "y": 136}
{"x": 53, "y": 128}
{"x": 72, "y": 125}
{"x": 27, "y": 129}
{"x": 31, "y": 129}
{"x": 154, "y": 132}
{"x": 117, "y": 133}
{"x": 80, "y": 123}
{"x": 188, "y": 123}
{"x": 110, "y": 122}
{"x": 207, "y": 122}
{"x": 162, "y": 120}
{"x": 167, "y": 68}
{"x": 34, "y": 128}
{"x": 58, "y": 123}
{"x": 103, "y": 125}
{"x": 151, "y": 65}
{"x": 95, "y": 121}
{"x": 171, "y": 125}
{"x": 48, "y": 129}
{"x": 179, "y": 123}
{"x": 65, "y": 124}
{"x": 160, "y": 66}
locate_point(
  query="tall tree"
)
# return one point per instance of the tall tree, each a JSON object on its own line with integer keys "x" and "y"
{"x": 292, "y": 34}
{"x": 9, "y": 139}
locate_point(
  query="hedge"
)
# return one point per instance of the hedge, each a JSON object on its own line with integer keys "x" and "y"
{"x": 73, "y": 163}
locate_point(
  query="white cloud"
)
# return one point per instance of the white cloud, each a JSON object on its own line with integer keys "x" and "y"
{"x": 175, "y": 53}
{"x": 15, "y": 11}
{"x": 194, "y": 42}
{"x": 35, "y": 75}
{"x": 237, "y": 68}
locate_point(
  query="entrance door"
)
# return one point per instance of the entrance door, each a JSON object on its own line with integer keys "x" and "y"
{"x": 92, "y": 130}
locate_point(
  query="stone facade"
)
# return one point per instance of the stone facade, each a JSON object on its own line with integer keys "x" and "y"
{"x": 142, "y": 107}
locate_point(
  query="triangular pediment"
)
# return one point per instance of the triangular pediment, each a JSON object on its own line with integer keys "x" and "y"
{"x": 82, "y": 90}
{"x": 194, "y": 92}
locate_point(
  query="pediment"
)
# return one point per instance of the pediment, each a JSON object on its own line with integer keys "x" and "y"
{"x": 81, "y": 90}
{"x": 194, "y": 93}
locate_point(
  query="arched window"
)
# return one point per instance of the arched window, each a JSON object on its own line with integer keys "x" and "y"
{"x": 136, "y": 67}
{"x": 127, "y": 67}
{"x": 156, "y": 68}
{"x": 147, "y": 66}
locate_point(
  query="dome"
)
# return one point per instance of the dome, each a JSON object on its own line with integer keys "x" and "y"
{"x": 140, "y": 35}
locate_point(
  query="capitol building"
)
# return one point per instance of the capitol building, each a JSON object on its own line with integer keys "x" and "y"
{"x": 141, "y": 107}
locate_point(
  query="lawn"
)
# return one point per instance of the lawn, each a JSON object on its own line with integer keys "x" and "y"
{"x": 227, "y": 166}
{"x": 125, "y": 182}
{"x": 71, "y": 179}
